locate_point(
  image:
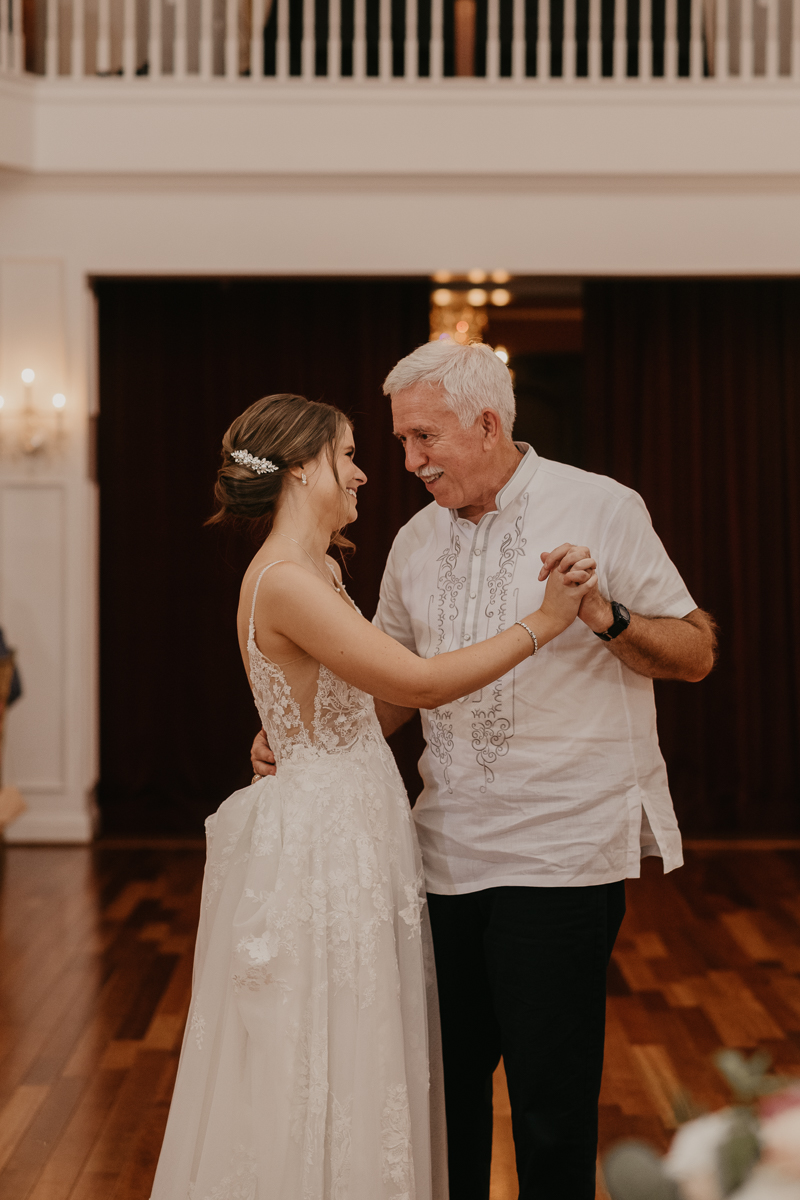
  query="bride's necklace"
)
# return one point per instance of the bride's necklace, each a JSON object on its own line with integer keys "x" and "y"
{"x": 329, "y": 576}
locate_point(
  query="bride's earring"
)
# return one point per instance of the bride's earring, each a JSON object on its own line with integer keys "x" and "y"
{"x": 303, "y": 477}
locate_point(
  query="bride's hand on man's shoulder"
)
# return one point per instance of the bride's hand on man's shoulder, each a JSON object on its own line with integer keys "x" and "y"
{"x": 261, "y": 757}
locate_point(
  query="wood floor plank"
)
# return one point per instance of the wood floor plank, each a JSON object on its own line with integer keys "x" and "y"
{"x": 121, "y": 1128}
{"x": 30, "y": 1155}
{"x": 636, "y": 970}
{"x": 16, "y": 1115}
{"x": 136, "y": 1177}
{"x": 736, "y": 1014}
{"x": 660, "y": 1078}
{"x": 650, "y": 944}
{"x": 34, "y": 1035}
{"x": 623, "y": 1084}
{"x": 65, "y": 1163}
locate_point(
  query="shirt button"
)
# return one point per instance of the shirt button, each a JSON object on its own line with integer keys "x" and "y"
{"x": 477, "y": 553}
{"x": 472, "y": 595}
{"x": 467, "y": 637}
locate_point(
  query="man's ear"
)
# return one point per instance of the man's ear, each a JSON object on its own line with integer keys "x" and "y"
{"x": 492, "y": 428}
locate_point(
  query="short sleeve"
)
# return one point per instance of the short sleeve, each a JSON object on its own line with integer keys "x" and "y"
{"x": 392, "y": 616}
{"x": 634, "y": 567}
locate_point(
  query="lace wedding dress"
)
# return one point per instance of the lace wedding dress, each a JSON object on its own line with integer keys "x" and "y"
{"x": 304, "y": 1073}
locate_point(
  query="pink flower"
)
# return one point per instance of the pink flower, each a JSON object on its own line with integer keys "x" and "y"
{"x": 780, "y": 1137}
{"x": 778, "y": 1102}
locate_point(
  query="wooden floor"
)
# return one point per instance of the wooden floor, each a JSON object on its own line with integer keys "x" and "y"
{"x": 95, "y": 971}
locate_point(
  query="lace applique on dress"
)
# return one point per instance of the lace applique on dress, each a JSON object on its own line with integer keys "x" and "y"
{"x": 198, "y": 1028}
{"x": 342, "y": 714}
{"x": 241, "y": 1183}
{"x": 396, "y": 1140}
{"x": 339, "y": 1147}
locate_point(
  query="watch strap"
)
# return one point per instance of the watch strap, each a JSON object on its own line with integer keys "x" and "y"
{"x": 622, "y": 619}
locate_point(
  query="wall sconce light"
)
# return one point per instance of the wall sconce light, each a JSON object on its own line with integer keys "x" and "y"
{"x": 33, "y": 435}
{"x": 35, "y": 430}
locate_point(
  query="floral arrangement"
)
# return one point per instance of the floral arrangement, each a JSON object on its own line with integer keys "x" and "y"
{"x": 750, "y": 1151}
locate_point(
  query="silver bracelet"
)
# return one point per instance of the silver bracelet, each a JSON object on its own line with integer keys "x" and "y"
{"x": 534, "y": 638}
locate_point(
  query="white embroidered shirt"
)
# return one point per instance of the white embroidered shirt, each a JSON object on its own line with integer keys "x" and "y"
{"x": 553, "y": 775}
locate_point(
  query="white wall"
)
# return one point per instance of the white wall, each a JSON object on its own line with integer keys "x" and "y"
{"x": 577, "y": 188}
{"x": 47, "y": 550}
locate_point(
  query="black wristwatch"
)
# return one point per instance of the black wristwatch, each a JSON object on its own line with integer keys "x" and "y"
{"x": 622, "y": 619}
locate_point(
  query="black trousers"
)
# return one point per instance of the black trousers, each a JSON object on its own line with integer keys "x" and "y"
{"x": 522, "y": 974}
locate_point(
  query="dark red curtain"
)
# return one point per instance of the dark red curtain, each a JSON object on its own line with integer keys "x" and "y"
{"x": 179, "y": 359}
{"x": 693, "y": 392}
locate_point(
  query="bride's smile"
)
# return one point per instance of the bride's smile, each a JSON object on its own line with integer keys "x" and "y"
{"x": 333, "y": 483}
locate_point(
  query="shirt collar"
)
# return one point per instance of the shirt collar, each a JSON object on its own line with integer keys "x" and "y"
{"x": 528, "y": 466}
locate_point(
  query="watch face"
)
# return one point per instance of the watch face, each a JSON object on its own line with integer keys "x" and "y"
{"x": 623, "y": 612}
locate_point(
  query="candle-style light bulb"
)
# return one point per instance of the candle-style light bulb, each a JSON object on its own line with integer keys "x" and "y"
{"x": 59, "y": 400}
{"x": 28, "y": 376}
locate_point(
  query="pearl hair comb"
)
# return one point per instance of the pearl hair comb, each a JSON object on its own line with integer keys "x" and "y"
{"x": 261, "y": 466}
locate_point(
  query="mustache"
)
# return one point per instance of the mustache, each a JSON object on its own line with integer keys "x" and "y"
{"x": 428, "y": 472}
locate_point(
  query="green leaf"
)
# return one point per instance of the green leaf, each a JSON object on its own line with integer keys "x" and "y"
{"x": 740, "y": 1151}
{"x": 748, "y": 1078}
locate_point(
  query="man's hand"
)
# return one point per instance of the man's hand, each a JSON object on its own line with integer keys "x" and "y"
{"x": 656, "y": 647}
{"x": 392, "y": 716}
{"x": 596, "y": 612}
{"x": 261, "y": 756}
{"x": 562, "y": 559}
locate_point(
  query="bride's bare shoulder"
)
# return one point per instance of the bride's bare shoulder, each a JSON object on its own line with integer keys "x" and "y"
{"x": 271, "y": 576}
{"x": 262, "y": 568}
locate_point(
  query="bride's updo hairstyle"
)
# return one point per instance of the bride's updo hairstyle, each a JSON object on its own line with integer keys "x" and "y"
{"x": 287, "y": 431}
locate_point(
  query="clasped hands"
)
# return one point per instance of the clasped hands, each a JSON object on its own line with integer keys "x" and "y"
{"x": 594, "y": 611}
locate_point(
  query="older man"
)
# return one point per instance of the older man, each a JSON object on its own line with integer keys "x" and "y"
{"x": 543, "y": 791}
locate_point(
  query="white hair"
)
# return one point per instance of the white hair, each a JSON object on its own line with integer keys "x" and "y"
{"x": 473, "y": 379}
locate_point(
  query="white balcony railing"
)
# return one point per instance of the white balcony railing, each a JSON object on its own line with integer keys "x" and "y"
{"x": 527, "y": 41}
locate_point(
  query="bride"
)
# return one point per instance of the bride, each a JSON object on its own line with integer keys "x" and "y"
{"x": 310, "y": 1064}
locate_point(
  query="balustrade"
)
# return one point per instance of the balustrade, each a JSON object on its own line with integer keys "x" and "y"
{"x": 538, "y": 42}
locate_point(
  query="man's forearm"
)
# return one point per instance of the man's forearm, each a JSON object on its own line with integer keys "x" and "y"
{"x": 660, "y": 647}
{"x": 666, "y": 648}
{"x": 391, "y": 716}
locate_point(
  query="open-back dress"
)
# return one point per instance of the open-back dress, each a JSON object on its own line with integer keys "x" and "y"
{"x": 310, "y": 1067}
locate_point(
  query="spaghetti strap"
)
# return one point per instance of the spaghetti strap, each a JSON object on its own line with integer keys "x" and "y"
{"x": 252, "y": 626}
{"x": 258, "y": 583}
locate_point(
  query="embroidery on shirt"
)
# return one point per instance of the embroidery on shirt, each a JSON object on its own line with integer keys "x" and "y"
{"x": 491, "y": 728}
{"x": 512, "y": 548}
{"x": 449, "y": 585}
{"x": 440, "y": 739}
